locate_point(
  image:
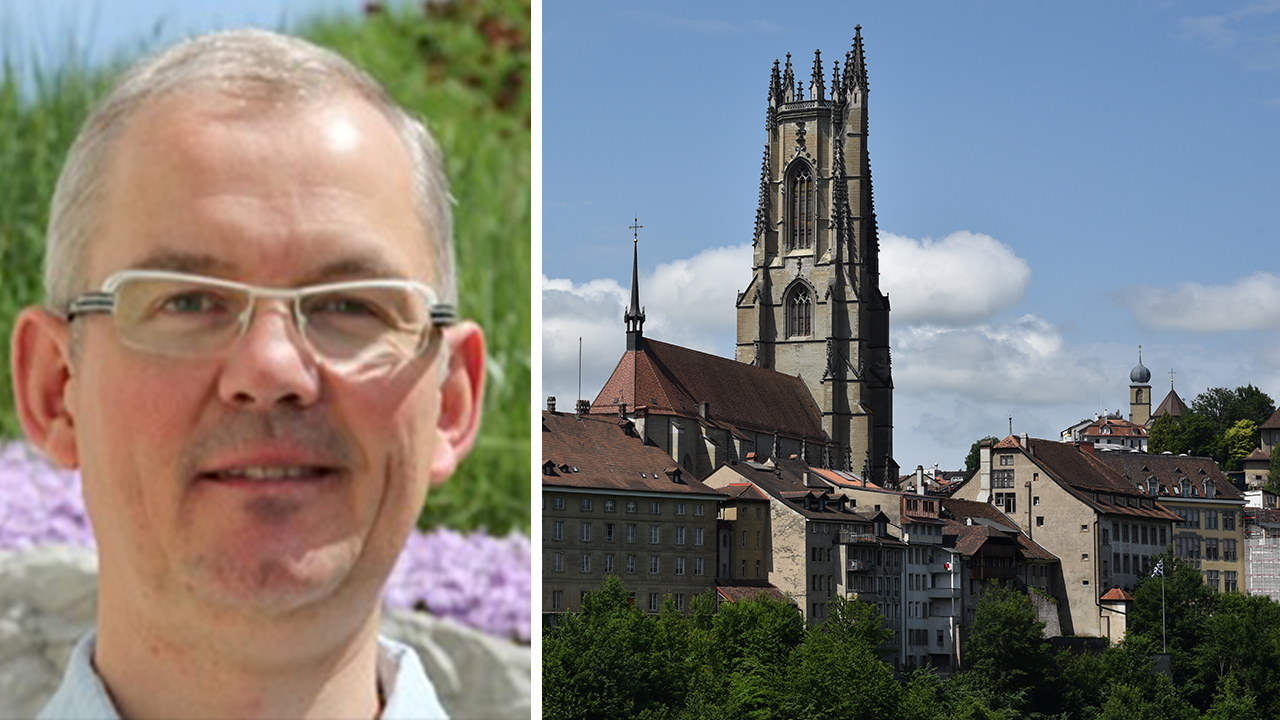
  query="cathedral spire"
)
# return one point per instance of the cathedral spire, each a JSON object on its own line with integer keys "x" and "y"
{"x": 775, "y": 99}
{"x": 816, "y": 89}
{"x": 762, "y": 207}
{"x": 788, "y": 82}
{"x": 634, "y": 318}
{"x": 859, "y": 65}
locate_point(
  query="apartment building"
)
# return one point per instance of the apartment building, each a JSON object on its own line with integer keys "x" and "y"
{"x": 1103, "y": 529}
{"x": 614, "y": 506}
{"x": 1209, "y": 532}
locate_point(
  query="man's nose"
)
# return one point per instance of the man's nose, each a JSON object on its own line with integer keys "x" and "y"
{"x": 270, "y": 364}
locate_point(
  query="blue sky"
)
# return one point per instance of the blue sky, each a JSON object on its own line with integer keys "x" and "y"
{"x": 1055, "y": 184}
{"x": 99, "y": 30}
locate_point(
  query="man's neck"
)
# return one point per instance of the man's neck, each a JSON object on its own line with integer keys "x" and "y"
{"x": 264, "y": 674}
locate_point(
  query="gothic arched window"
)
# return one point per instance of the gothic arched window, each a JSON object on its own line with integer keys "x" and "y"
{"x": 803, "y": 207}
{"x": 799, "y": 313}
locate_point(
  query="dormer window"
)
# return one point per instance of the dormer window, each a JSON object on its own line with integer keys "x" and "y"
{"x": 1208, "y": 489}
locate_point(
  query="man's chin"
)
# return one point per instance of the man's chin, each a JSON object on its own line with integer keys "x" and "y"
{"x": 274, "y": 585}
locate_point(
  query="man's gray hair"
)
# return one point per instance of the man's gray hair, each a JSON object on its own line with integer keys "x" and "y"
{"x": 254, "y": 64}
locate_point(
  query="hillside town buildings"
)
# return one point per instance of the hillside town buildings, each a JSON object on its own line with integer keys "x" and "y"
{"x": 773, "y": 473}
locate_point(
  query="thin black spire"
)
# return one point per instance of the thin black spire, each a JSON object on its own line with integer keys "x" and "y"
{"x": 634, "y": 318}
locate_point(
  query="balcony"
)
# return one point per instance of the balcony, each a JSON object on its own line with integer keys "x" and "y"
{"x": 942, "y": 593}
{"x": 851, "y": 538}
{"x": 941, "y": 567}
{"x": 860, "y": 566}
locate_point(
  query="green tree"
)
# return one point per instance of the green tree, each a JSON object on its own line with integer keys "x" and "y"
{"x": 1187, "y": 604}
{"x": 836, "y": 673}
{"x": 1241, "y": 646}
{"x": 1006, "y": 644}
{"x": 605, "y": 662}
{"x": 971, "y": 460}
{"x": 1163, "y": 433}
{"x": 1232, "y": 702}
{"x": 1238, "y": 442}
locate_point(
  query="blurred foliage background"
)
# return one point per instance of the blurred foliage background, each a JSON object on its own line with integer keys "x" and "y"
{"x": 462, "y": 66}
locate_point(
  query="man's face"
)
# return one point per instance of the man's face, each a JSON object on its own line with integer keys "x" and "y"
{"x": 261, "y": 480}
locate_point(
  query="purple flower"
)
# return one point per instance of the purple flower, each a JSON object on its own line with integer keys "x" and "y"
{"x": 475, "y": 579}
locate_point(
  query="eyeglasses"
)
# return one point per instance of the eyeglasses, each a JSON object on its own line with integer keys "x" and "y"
{"x": 356, "y": 325}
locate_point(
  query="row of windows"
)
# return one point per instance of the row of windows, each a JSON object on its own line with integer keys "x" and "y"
{"x": 655, "y": 533}
{"x": 1189, "y": 547}
{"x": 1190, "y": 518}
{"x": 655, "y": 506}
{"x": 822, "y": 582}
{"x": 557, "y": 600}
{"x": 1229, "y": 581}
{"x": 921, "y": 636}
{"x": 1138, "y": 534}
{"x": 557, "y": 564}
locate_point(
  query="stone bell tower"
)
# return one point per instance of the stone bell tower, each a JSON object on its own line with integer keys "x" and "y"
{"x": 814, "y": 306}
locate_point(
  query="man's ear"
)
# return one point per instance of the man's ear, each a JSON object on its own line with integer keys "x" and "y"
{"x": 461, "y": 396}
{"x": 41, "y": 363}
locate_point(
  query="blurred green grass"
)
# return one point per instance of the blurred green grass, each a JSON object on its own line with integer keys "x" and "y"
{"x": 462, "y": 66}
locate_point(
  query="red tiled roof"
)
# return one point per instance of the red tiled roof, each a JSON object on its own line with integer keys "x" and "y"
{"x": 1259, "y": 454}
{"x": 784, "y": 480}
{"x": 1117, "y": 594}
{"x": 672, "y": 380}
{"x": 961, "y": 509}
{"x": 1115, "y": 427}
{"x": 1271, "y": 422}
{"x": 607, "y": 453}
{"x": 743, "y": 491}
{"x": 1084, "y": 473}
{"x": 1169, "y": 470}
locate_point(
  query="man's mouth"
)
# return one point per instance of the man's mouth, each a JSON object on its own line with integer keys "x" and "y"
{"x": 270, "y": 473}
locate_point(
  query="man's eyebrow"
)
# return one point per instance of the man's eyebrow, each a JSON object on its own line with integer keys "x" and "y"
{"x": 347, "y": 268}
{"x": 185, "y": 262}
{"x": 352, "y": 268}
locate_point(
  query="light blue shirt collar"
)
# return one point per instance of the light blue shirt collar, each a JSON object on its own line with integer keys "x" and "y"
{"x": 409, "y": 693}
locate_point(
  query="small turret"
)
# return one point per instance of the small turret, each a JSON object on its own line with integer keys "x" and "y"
{"x": 817, "y": 91}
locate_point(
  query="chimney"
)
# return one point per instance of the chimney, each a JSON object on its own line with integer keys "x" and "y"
{"x": 1085, "y": 447}
{"x": 919, "y": 479}
{"x": 551, "y": 403}
{"x": 704, "y": 411}
{"x": 583, "y": 407}
{"x": 1023, "y": 441}
{"x": 984, "y": 471}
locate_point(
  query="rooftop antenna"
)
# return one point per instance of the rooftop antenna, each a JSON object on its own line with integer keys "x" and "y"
{"x": 1010, "y": 424}
{"x": 579, "y": 369}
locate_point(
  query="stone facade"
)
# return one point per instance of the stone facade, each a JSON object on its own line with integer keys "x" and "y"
{"x": 659, "y": 544}
{"x": 1070, "y": 503}
{"x": 613, "y": 505}
{"x": 814, "y": 308}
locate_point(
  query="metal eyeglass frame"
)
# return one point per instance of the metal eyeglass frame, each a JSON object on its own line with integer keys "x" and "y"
{"x": 104, "y": 300}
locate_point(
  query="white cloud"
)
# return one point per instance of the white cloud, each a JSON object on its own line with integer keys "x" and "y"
{"x": 1023, "y": 361}
{"x": 962, "y": 279}
{"x": 1250, "y": 303}
{"x": 687, "y": 302}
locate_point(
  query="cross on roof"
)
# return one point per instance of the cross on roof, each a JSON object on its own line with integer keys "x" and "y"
{"x": 1171, "y": 374}
{"x": 635, "y": 229}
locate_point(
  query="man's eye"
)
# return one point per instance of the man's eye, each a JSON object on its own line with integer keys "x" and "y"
{"x": 345, "y": 306}
{"x": 194, "y": 302}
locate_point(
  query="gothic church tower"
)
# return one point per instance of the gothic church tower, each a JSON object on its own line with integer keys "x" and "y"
{"x": 814, "y": 308}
